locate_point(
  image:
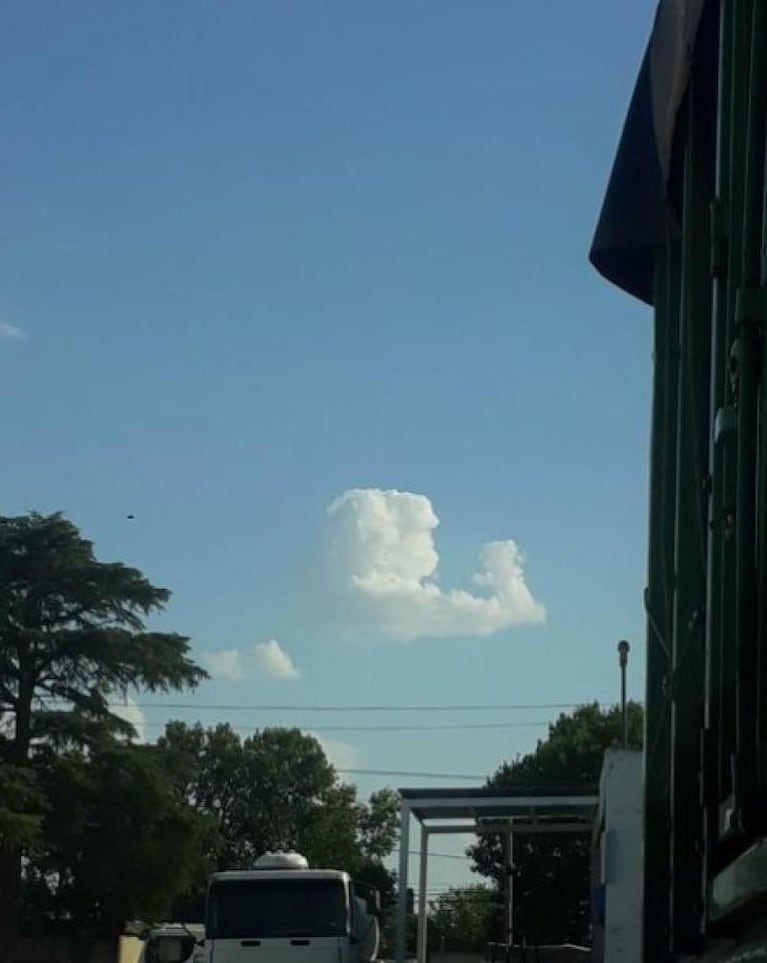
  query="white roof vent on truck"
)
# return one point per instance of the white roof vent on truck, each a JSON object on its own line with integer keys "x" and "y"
{"x": 281, "y": 861}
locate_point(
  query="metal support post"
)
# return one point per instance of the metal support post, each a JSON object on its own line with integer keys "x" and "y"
{"x": 404, "y": 847}
{"x": 510, "y": 918}
{"x": 423, "y": 918}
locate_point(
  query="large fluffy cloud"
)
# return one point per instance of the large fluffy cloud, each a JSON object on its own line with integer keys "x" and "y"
{"x": 384, "y": 561}
{"x": 260, "y": 659}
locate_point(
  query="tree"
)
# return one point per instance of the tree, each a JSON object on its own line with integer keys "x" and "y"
{"x": 460, "y": 919}
{"x": 72, "y": 636}
{"x": 117, "y": 843}
{"x": 276, "y": 790}
{"x": 205, "y": 766}
{"x": 20, "y": 804}
{"x": 379, "y": 824}
{"x": 549, "y": 866}
{"x": 378, "y": 830}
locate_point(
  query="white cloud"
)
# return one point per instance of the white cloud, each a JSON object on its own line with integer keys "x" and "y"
{"x": 341, "y": 755}
{"x": 384, "y": 562}
{"x": 271, "y": 660}
{"x": 132, "y": 713}
{"x": 259, "y": 659}
{"x": 224, "y": 664}
{"x": 9, "y": 332}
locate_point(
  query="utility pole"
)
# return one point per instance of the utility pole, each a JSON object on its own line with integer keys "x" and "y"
{"x": 623, "y": 658}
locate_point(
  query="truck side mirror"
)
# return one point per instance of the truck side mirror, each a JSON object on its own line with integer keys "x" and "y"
{"x": 371, "y": 896}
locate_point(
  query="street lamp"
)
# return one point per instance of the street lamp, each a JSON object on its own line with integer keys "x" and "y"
{"x": 623, "y": 658}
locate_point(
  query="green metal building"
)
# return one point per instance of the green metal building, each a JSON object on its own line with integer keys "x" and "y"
{"x": 682, "y": 228}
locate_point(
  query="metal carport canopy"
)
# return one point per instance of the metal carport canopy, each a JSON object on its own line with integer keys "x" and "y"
{"x": 527, "y": 808}
{"x": 474, "y": 803}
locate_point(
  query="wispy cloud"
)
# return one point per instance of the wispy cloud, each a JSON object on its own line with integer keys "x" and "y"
{"x": 224, "y": 664}
{"x": 384, "y": 563}
{"x": 260, "y": 659}
{"x": 9, "y": 332}
{"x": 340, "y": 754}
{"x": 132, "y": 713}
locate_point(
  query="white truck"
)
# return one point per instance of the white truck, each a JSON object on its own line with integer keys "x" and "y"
{"x": 282, "y": 911}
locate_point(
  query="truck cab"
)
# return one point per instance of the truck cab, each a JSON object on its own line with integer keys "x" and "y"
{"x": 281, "y": 911}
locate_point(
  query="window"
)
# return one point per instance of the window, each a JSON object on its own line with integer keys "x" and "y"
{"x": 273, "y": 908}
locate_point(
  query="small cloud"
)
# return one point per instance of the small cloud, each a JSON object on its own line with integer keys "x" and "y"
{"x": 132, "y": 713}
{"x": 224, "y": 664}
{"x": 271, "y": 660}
{"x": 384, "y": 562}
{"x": 9, "y": 332}
{"x": 260, "y": 659}
{"x": 341, "y": 755}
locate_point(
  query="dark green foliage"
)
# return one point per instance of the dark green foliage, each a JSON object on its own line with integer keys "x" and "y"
{"x": 116, "y": 844}
{"x": 461, "y": 919}
{"x": 72, "y": 638}
{"x": 379, "y": 824}
{"x": 552, "y": 888}
{"x": 21, "y": 804}
{"x": 276, "y": 790}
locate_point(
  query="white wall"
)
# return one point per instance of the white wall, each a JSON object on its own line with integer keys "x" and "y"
{"x": 621, "y": 794}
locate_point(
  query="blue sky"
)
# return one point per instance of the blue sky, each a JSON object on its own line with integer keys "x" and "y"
{"x": 255, "y": 255}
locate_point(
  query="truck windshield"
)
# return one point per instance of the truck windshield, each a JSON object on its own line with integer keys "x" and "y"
{"x": 272, "y": 908}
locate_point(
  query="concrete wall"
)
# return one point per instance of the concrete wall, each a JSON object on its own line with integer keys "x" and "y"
{"x": 617, "y": 858}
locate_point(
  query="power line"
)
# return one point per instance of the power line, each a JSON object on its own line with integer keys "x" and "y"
{"x": 446, "y": 707}
{"x": 414, "y": 775}
{"x": 416, "y": 852}
{"x": 552, "y": 784}
{"x": 455, "y": 893}
{"x": 393, "y": 728}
